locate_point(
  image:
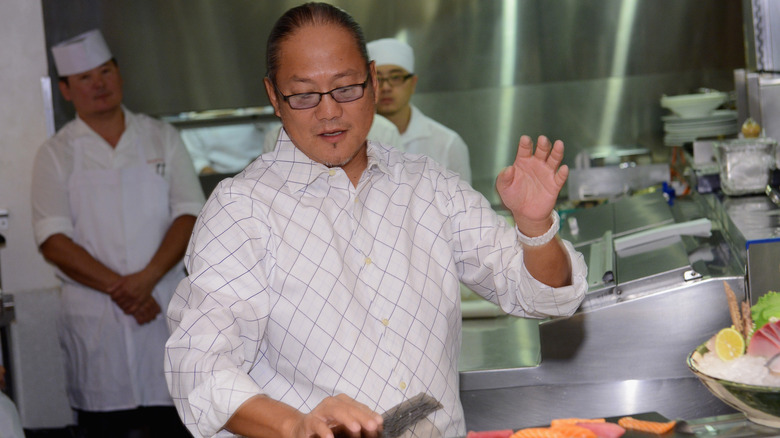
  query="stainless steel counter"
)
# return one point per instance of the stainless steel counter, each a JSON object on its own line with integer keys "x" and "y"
{"x": 624, "y": 351}
{"x": 499, "y": 343}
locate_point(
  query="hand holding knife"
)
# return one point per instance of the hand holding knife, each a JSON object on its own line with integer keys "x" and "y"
{"x": 402, "y": 417}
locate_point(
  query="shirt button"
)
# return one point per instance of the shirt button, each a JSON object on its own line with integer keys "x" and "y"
{"x": 402, "y": 385}
{"x": 332, "y": 172}
{"x": 357, "y": 200}
{"x": 385, "y": 322}
{"x": 368, "y": 260}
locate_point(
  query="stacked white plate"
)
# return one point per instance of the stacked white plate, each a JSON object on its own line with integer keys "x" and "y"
{"x": 679, "y": 130}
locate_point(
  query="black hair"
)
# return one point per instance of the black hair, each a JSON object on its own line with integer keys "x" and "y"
{"x": 309, "y": 14}
{"x": 65, "y": 78}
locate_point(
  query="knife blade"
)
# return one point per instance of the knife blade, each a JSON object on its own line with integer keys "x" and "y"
{"x": 406, "y": 414}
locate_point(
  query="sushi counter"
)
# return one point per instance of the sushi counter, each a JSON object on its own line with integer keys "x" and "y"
{"x": 656, "y": 292}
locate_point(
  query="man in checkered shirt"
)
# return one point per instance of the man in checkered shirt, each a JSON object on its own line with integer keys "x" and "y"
{"x": 323, "y": 282}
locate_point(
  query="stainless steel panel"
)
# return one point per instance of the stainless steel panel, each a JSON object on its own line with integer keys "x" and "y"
{"x": 621, "y": 359}
{"x": 624, "y": 350}
{"x": 624, "y": 216}
{"x": 642, "y": 212}
{"x": 655, "y": 261}
{"x": 763, "y": 268}
{"x": 769, "y": 89}
{"x": 755, "y": 218}
{"x": 499, "y": 343}
{"x": 740, "y": 90}
{"x": 754, "y": 97}
{"x": 589, "y": 72}
{"x": 762, "y": 18}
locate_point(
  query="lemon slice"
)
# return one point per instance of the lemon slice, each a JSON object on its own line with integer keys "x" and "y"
{"x": 729, "y": 344}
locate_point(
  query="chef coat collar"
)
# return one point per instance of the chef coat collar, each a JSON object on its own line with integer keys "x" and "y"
{"x": 416, "y": 128}
{"x": 300, "y": 171}
{"x": 81, "y": 129}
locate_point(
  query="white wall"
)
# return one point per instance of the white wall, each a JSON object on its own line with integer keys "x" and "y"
{"x": 36, "y": 358}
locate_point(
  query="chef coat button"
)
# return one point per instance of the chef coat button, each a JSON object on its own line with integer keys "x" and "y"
{"x": 368, "y": 260}
{"x": 385, "y": 322}
{"x": 402, "y": 385}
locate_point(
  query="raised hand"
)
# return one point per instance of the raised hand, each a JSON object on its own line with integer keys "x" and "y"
{"x": 529, "y": 187}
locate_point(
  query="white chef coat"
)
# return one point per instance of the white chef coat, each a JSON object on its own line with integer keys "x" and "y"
{"x": 303, "y": 286}
{"x": 10, "y": 423}
{"x": 119, "y": 205}
{"x": 226, "y": 149}
{"x": 428, "y": 137}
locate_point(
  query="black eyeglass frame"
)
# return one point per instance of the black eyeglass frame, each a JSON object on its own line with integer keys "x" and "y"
{"x": 362, "y": 87}
{"x": 403, "y": 78}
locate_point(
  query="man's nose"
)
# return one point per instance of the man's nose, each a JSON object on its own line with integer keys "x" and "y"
{"x": 328, "y": 108}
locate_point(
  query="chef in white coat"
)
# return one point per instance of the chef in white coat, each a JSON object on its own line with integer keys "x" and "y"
{"x": 224, "y": 149}
{"x": 420, "y": 134}
{"x": 114, "y": 199}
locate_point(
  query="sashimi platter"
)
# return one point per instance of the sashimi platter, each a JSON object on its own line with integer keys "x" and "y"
{"x": 741, "y": 364}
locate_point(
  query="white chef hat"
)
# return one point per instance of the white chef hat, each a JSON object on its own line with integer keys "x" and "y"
{"x": 391, "y": 51}
{"x": 81, "y": 53}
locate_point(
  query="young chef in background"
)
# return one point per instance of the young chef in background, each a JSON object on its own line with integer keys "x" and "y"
{"x": 114, "y": 199}
{"x": 224, "y": 149}
{"x": 323, "y": 279}
{"x": 420, "y": 134}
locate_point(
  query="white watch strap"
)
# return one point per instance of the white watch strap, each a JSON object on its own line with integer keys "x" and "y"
{"x": 544, "y": 238}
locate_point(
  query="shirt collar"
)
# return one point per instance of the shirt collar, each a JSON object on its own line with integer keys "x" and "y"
{"x": 299, "y": 170}
{"x": 416, "y": 128}
{"x": 81, "y": 129}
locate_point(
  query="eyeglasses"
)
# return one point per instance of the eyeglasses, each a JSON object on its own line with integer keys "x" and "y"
{"x": 394, "y": 80}
{"x": 310, "y": 100}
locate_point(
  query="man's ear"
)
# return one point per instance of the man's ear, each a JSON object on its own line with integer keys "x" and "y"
{"x": 271, "y": 91}
{"x": 64, "y": 89}
{"x": 374, "y": 81}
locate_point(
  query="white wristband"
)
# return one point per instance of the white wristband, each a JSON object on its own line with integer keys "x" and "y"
{"x": 544, "y": 238}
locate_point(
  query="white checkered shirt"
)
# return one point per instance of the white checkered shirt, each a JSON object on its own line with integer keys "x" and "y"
{"x": 303, "y": 286}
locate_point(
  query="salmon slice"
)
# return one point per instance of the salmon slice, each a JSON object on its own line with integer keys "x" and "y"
{"x": 656, "y": 427}
{"x": 561, "y": 431}
{"x": 537, "y": 432}
{"x": 571, "y": 421}
{"x": 604, "y": 430}
{"x": 491, "y": 434}
{"x": 573, "y": 431}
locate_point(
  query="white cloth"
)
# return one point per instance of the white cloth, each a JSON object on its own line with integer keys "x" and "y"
{"x": 428, "y": 137}
{"x": 382, "y": 131}
{"x": 10, "y": 423}
{"x": 390, "y": 51}
{"x": 54, "y": 165}
{"x": 81, "y": 53}
{"x": 303, "y": 286}
{"x": 226, "y": 149}
{"x": 119, "y": 214}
